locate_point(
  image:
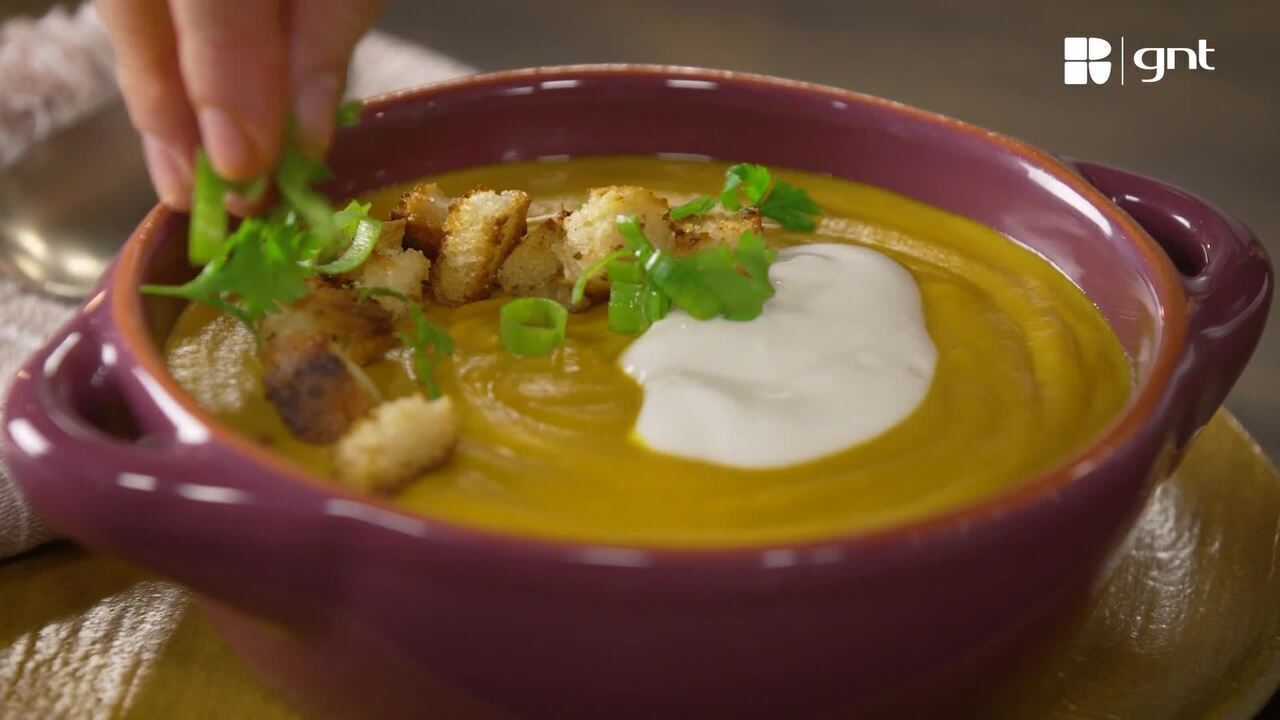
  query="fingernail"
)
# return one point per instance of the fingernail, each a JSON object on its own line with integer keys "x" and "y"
{"x": 170, "y": 175}
{"x": 315, "y": 103}
{"x": 229, "y": 148}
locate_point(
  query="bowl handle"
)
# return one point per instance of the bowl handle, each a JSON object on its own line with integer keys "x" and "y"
{"x": 1226, "y": 275}
{"x": 104, "y": 454}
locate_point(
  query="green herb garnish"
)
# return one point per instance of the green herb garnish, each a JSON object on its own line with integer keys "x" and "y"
{"x": 709, "y": 283}
{"x": 696, "y": 206}
{"x": 207, "y": 230}
{"x": 430, "y": 342}
{"x": 634, "y": 303}
{"x": 532, "y": 326}
{"x": 431, "y": 345}
{"x": 259, "y": 269}
{"x": 265, "y": 264}
{"x": 791, "y": 207}
{"x": 788, "y": 205}
{"x": 580, "y": 287}
{"x": 745, "y": 180}
{"x": 361, "y": 233}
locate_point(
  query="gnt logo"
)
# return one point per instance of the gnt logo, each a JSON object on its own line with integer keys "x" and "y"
{"x": 1087, "y": 59}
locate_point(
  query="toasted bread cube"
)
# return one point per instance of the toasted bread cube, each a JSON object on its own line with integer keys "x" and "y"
{"x": 424, "y": 208}
{"x": 556, "y": 204}
{"x": 391, "y": 266}
{"x": 482, "y": 228}
{"x": 318, "y": 392}
{"x": 361, "y": 329}
{"x": 311, "y": 353}
{"x": 712, "y": 229}
{"x": 591, "y": 231}
{"x": 396, "y": 442}
{"x": 534, "y": 270}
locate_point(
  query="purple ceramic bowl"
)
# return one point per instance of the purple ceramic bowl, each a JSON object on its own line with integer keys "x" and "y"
{"x": 354, "y": 605}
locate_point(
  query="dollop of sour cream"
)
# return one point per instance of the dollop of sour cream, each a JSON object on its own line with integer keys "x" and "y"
{"x": 840, "y": 355}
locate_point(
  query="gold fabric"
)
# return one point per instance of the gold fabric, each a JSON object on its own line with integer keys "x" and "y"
{"x": 1185, "y": 624}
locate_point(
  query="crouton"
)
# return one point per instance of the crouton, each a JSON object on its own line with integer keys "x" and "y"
{"x": 423, "y": 208}
{"x": 318, "y": 392}
{"x": 533, "y": 269}
{"x": 482, "y": 228}
{"x": 362, "y": 329}
{"x": 556, "y": 203}
{"x": 591, "y": 231}
{"x": 311, "y": 353}
{"x": 396, "y": 442}
{"x": 703, "y": 231}
{"x": 391, "y": 266}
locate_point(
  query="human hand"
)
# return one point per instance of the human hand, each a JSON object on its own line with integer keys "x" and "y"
{"x": 226, "y": 75}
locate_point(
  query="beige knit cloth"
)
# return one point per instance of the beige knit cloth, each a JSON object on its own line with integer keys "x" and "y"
{"x": 58, "y": 68}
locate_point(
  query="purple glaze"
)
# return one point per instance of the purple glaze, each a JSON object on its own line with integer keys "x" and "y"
{"x": 414, "y": 614}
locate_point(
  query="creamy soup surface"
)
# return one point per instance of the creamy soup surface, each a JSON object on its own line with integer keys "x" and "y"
{"x": 1025, "y": 371}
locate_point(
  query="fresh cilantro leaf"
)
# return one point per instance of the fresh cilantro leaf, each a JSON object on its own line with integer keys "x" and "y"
{"x": 753, "y": 186}
{"x": 259, "y": 270}
{"x": 791, "y": 207}
{"x": 745, "y": 179}
{"x": 364, "y": 293}
{"x": 431, "y": 344}
{"x": 265, "y": 271}
{"x": 753, "y": 257}
{"x": 709, "y": 283}
{"x": 294, "y": 176}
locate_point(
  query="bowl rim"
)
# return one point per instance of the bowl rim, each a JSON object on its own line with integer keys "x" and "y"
{"x": 128, "y": 318}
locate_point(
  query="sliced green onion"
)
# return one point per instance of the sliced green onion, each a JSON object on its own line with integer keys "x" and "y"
{"x": 711, "y": 282}
{"x": 580, "y": 287}
{"x": 635, "y": 238}
{"x": 627, "y": 308}
{"x": 355, "y": 211}
{"x": 532, "y": 327}
{"x": 625, "y": 272}
{"x": 656, "y": 304}
{"x": 696, "y": 206}
{"x": 208, "y": 229}
{"x": 365, "y": 293}
{"x": 680, "y": 279}
{"x": 363, "y": 241}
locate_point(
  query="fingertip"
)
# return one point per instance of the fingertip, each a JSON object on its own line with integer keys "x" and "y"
{"x": 170, "y": 171}
{"x": 243, "y": 206}
{"x": 315, "y": 104}
{"x": 235, "y": 152}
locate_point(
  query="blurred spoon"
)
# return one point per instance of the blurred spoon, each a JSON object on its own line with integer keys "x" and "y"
{"x": 71, "y": 201}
